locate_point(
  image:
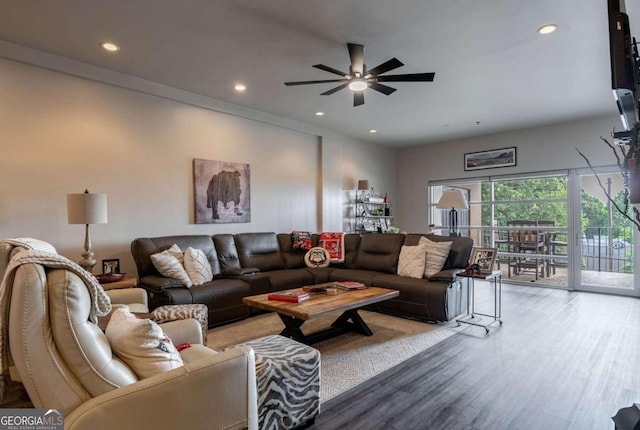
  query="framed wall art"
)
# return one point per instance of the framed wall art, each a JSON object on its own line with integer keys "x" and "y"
{"x": 485, "y": 258}
{"x": 504, "y": 157}
{"x": 222, "y": 192}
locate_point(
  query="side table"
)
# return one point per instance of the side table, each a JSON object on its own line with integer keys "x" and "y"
{"x": 124, "y": 283}
{"x": 496, "y": 277}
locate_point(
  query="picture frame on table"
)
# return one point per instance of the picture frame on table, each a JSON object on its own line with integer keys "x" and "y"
{"x": 504, "y": 157}
{"x": 485, "y": 258}
{"x": 110, "y": 266}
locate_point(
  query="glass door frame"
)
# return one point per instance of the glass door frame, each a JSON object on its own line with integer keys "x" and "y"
{"x": 574, "y": 187}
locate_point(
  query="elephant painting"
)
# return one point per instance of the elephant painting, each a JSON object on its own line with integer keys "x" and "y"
{"x": 222, "y": 192}
{"x": 224, "y": 188}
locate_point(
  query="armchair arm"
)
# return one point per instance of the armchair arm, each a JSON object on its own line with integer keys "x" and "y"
{"x": 216, "y": 392}
{"x": 181, "y": 331}
{"x": 128, "y": 295}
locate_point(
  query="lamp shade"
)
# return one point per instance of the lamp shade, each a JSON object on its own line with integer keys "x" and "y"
{"x": 452, "y": 199}
{"x": 363, "y": 184}
{"x": 87, "y": 208}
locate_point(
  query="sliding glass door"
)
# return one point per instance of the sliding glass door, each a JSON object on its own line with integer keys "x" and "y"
{"x": 604, "y": 238}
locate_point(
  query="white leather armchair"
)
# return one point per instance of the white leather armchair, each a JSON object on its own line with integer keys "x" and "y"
{"x": 65, "y": 361}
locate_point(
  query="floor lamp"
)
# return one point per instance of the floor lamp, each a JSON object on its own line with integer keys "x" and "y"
{"x": 453, "y": 199}
{"x": 87, "y": 208}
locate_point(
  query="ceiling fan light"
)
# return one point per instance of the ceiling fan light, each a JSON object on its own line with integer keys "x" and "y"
{"x": 358, "y": 85}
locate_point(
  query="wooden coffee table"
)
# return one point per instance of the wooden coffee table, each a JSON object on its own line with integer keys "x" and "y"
{"x": 293, "y": 315}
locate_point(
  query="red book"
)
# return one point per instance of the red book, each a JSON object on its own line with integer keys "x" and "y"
{"x": 351, "y": 285}
{"x": 289, "y": 296}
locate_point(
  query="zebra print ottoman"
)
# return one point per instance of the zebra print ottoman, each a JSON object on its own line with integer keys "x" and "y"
{"x": 288, "y": 378}
{"x": 199, "y": 312}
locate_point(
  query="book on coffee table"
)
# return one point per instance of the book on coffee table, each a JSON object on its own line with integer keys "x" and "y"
{"x": 350, "y": 285}
{"x": 289, "y": 296}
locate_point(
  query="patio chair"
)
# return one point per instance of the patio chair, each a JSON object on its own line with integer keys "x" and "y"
{"x": 524, "y": 238}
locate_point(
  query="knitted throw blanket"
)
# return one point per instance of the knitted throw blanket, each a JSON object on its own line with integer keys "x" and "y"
{"x": 100, "y": 302}
{"x": 30, "y": 243}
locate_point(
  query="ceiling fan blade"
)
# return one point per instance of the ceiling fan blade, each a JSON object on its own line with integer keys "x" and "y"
{"x": 358, "y": 98}
{"x": 411, "y": 77}
{"x": 314, "y": 82}
{"x": 329, "y": 69}
{"x": 382, "y": 88}
{"x": 334, "y": 90}
{"x": 356, "y": 53}
{"x": 387, "y": 66}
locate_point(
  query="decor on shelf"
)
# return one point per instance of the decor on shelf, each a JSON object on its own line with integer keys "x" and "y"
{"x": 453, "y": 199}
{"x": 222, "y": 192}
{"x": 111, "y": 266}
{"x": 504, "y": 157}
{"x": 626, "y": 159}
{"x": 363, "y": 185}
{"x": 87, "y": 208}
{"x": 484, "y": 258}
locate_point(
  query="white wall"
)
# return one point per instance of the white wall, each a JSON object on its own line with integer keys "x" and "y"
{"x": 538, "y": 149}
{"x": 62, "y": 134}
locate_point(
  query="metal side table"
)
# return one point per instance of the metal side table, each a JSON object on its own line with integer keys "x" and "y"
{"x": 496, "y": 277}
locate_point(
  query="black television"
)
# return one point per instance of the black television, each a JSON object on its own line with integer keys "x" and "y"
{"x": 624, "y": 64}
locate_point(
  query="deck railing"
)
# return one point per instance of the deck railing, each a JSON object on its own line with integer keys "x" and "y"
{"x": 606, "y": 249}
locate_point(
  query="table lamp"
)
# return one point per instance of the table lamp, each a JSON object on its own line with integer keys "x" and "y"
{"x": 363, "y": 185}
{"x": 453, "y": 199}
{"x": 87, "y": 208}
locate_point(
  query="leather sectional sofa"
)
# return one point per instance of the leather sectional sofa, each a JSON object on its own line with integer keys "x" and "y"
{"x": 246, "y": 264}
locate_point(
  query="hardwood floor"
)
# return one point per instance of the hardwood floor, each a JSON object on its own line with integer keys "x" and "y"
{"x": 562, "y": 360}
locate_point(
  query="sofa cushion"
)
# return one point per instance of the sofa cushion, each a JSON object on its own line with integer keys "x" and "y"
{"x": 197, "y": 266}
{"x": 289, "y": 278}
{"x": 227, "y": 253}
{"x": 170, "y": 266}
{"x": 364, "y": 276}
{"x": 379, "y": 252}
{"x": 259, "y": 250}
{"x": 142, "y": 344}
{"x": 436, "y": 257}
{"x": 412, "y": 261}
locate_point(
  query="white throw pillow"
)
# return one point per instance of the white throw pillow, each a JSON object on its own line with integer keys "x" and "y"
{"x": 176, "y": 252}
{"x": 412, "y": 261}
{"x": 142, "y": 344}
{"x": 170, "y": 266}
{"x": 437, "y": 253}
{"x": 197, "y": 266}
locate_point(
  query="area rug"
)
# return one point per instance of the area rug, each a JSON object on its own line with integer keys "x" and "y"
{"x": 349, "y": 359}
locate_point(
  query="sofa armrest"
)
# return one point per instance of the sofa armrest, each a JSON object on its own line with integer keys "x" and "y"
{"x": 216, "y": 392}
{"x": 241, "y": 271}
{"x": 158, "y": 283}
{"x": 446, "y": 275}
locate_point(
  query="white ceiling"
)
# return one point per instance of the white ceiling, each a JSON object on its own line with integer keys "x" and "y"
{"x": 491, "y": 65}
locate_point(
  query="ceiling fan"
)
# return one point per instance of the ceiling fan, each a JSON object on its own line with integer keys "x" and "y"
{"x": 359, "y": 78}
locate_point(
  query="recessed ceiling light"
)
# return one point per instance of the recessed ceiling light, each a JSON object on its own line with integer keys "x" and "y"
{"x": 319, "y": 113}
{"x": 111, "y": 47}
{"x": 547, "y": 29}
{"x": 240, "y": 88}
{"x": 373, "y": 130}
